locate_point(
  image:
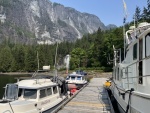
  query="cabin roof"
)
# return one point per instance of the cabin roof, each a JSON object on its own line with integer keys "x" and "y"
{"x": 35, "y": 83}
{"x": 75, "y": 75}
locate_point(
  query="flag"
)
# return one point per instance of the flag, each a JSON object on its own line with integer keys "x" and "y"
{"x": 125, "y": 10}
{"x": 124, "y": 20}
{"x": 124, "y": 5}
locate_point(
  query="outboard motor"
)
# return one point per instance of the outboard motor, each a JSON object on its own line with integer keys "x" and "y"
{"x": 61, "y": 83}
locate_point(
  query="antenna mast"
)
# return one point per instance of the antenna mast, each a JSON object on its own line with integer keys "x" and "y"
{"x": 38, "y": 60}
{"x": 55, "y": 60}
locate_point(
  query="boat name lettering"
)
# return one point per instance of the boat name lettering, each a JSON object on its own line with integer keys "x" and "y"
{"x": 45, "y": 102}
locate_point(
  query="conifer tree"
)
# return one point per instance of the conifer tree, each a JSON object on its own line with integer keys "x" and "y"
{"x": 5, "y": 59}
{"x": 137, "y": 14}
{"x": 145, "y": 14}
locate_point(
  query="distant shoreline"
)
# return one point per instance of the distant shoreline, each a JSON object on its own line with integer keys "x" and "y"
{"x": 16, "y": 73}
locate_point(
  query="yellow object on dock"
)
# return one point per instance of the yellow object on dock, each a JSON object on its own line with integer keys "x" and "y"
{"x": 107, "y": 83}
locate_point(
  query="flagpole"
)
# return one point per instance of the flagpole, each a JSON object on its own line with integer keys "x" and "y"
{"x": 124, "y": 21}
{"x": 124, "y": 37}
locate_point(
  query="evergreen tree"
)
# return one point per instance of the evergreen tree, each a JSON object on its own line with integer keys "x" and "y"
{"x": 137, "y": 14}
{"x": 145, "y": 14}
{"x": 5, "y": 59}
{"x": 30, "y": 60}
{"x": 78, "y": 58}
{"x": 19, "y": 57}
{"x": 148, "y": 10}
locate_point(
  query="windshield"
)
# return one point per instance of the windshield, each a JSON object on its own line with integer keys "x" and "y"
{"x": 11, "y": 91}
{"x": 78, "y": 78}
{"x": 73, "y": 78}
{"x": 30, "y": 93}
{"x": 67, "y": 78}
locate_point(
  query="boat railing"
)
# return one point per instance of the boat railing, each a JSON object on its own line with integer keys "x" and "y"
{"x": 134, "y": 33}
{"x": 140, "y": 30}
{"x": 131, "y": 78}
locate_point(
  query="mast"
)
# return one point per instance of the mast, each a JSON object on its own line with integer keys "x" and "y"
{"x": 38, "y": 60}
{"x": 55, "y": 65}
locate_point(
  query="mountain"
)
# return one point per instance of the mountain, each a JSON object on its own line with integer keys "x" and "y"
{"x": 41, "y": 21}
{"x": 111, "y": 26}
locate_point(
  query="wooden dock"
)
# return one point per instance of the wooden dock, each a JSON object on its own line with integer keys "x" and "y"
{"x": 92, "y": 99}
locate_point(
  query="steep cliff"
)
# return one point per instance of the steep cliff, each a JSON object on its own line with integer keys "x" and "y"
{"x": 42, "y": 21}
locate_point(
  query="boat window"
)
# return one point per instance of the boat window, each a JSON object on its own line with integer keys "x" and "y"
{"x": 121, "y": 74}
{"x": 20, "y": 92}
{"x": 147, "y": 45}
{"x": 114, "y": 73}
{"x": 118, "y": 75}
{"x": 140, "y": 61}
{"x": 135, "y": 51}
{"x": 49, "y": 91}
{"x": 78, "y": 78}
{"x": 42, "y": 93}
{"x": 11, "y": 91}
{"x": 30, "y": 93}
{"x": 83, "y": 78}
{"x": 55, "y": 89}
{"x": 73, "y": 78}
{"x": 67, "y": 78}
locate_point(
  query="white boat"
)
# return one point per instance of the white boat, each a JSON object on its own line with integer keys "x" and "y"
{"x": 76, "y": 79}
{"x": 130, "y": 84}
{"x": 36, "y": 95}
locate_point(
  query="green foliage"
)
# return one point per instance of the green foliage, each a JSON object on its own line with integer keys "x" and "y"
{"x": 19, "y": 56}
{"x": 5, "y": 59}
{"x": 30, "y": 60}
{"x": 78, "y": 58}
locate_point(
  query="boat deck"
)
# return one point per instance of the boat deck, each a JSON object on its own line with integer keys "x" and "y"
{"x": 92, "y": 99}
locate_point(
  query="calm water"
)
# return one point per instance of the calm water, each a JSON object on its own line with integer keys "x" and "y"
{"x": 5, "y": 79}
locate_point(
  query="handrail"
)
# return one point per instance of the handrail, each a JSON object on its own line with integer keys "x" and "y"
{"x": 133, "y": 64}
{"x": 137, "y": 62}
{"x": 138, "y": 77}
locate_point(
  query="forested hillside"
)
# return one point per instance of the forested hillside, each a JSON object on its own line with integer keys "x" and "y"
{"x": 90, "y": 52}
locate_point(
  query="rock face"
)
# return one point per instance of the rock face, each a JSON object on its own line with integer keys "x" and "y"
{"x": 42, "y": 21}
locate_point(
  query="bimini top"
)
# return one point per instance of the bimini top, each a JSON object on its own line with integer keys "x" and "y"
{"x": 35, "y": 83}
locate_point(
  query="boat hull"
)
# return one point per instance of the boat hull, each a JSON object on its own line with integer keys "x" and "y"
{"x": 139, "y": 103}
{"x": 75, "y": 86}
{"x": 56, "y": 107}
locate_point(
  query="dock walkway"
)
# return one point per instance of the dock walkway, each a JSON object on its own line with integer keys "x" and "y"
{"x": 92, "y": 99}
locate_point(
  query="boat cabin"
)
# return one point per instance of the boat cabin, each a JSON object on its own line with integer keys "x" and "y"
{"x": 134, "y": 71}
{"x": 30, "y": 89}
{"x": 32, "y": 95}
{"x": 75, "y": 78}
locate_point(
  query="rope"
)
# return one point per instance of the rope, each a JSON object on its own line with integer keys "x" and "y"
{"x": 11, "y": 107}
{"x": 129, "y": 100}
{"x": 127, "y": 109}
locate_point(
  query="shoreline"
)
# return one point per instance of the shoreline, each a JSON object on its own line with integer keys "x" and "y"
{"x": 16, "y": 73}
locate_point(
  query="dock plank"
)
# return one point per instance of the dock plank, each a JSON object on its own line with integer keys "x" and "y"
{"x": 92, "y": 99}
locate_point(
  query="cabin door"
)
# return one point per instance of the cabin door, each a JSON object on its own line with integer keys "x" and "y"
{"x": 140, "y": 62}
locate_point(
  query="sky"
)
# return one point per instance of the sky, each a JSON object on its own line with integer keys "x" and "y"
{"x": 108, "y": 11}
